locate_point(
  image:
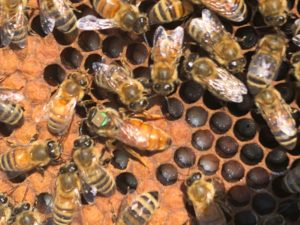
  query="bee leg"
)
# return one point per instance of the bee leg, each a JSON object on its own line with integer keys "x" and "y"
{"x": 34, "y": 138}
{"x": 40, "y": 170}
{"x": 14, "y": 144}
{"x": 135, "y": 155}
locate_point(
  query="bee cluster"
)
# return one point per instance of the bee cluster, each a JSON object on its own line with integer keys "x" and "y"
{"x": 187, "y": 107}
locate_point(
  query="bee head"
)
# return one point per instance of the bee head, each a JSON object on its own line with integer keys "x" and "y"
{"x": 84, "y": 141}
{"x": 141, "y": 25}
{"x": 54, "y": 149}
{"x": 69, "y": 168}
{"x": 80, "y": 78}
{"x": 25, "y": 206}
{"x": 237, "y": 65}
{"x": 163, "y": 88}
{"x": 194, "y": 177}
{"x": 276, "y": 20}
{"x": 139, "y": 105}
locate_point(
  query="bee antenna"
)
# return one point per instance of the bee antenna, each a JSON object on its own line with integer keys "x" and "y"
{"x": 146, "y": 40}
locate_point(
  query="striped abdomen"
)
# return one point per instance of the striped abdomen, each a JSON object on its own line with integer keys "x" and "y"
{"x": 63, "y": 215}
{"x": 66, "y": 22}
{"x": 7, "y": 162}
{"x": 166, "y": 11}
{"x": 291, "y": 181}
{"x": 143, "y": 136}
{"x": 107, "y": 8}
{"x": 10, "y": 113}
{"x": 20, "y": 37}
{"x": 141, "y": 210}
{"x": 234, "y": 10}
{"x": 100, "y": 178}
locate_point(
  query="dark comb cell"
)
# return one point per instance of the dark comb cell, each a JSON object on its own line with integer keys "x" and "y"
{"x": 54, "y": 74}
{"x": 245, "y": 129}
{"x": 65, "y": 39}
{"x": 277, "y": 161}
{"x": 263, "y": 203}
{"x": 167, "y": 174}
{"x": 126, "y": 182}
{"x": 173, "y": 109}
{"x": 112, "y": 46}
{"x": 239, "y": 195}
{"x": 191, "y": 91}
{"x": 196, "y": 116}
{"x": 283, "y": 70}
{"x": 202, "y": 140}
{"x": 212, "y": 101}
{"x": 120, "y": 159}
{"x": 266, "y": 138}
{"x": 71, "y": 58}
{"x": 251, "y": 154}
{"x": 246, "y": 217}
{"x": 247, "y": 37}
{"x": 289, "y": 209}
{"x": 88, "y": 65}
{"x": 226, "y": 147}
{"x": 208, "y": 164}
{"x": 36, "y": 26}
{"x": 258, "y": 178}
{"x": 240, "y": 109}
{"x": 89, "y": 41}
{"x": 220, "y": 122}
{"x": 232, "y": 171}
{"x": 287, "y": 91}
{"x": 184, "y": 157}
{"x": 136, "y": 53}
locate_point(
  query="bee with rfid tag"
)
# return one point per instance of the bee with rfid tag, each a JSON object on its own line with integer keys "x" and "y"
{"x": 166, "y": 52}
{"x": 209, "y": 32}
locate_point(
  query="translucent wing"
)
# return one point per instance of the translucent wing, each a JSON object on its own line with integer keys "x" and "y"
{"x": 11, "y": 95}
{"x": 47, "y": 20}
{"x": 227, "y": 86}
{"x": 93, "y": 23}
{"x": 212, "y": 215}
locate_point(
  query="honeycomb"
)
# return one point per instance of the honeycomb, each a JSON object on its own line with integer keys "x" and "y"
{"x": 245, "y": 171}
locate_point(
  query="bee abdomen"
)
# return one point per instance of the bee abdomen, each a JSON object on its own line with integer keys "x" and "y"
{"x": 56, "y": 125}
{"x": 62, "y": 216}
{"x": 104, "y": 182}
{"x": 291, "y": 181}
{"x": 288, "y": 142}
{"x": 7, "y": 162}
{"x": 10, "y": 113}
{"x": 20, "y": 37}
{"x": 106, "y": 9}
{"x": 67, "y": 23}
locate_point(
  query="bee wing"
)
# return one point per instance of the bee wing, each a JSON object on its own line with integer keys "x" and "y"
{"x": 228, "y": 86}
{"x": 93, "y": 23}
{"x": 47, "y": 20}
{"x": 11, "y": 95}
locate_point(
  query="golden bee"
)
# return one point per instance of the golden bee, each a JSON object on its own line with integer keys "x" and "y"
{"x": 11, "y": 112}
{"x": 116, "y": 14}
{"x": 166, "y": 52}
{"x": 86, "y": 157}
{"x": 24, "y": 214}
{"x": 265, "y": 63}
{"x": 13, "y": 22}
{"x": 107, "y": 122}
{"x": 295, "y": 61}
{"x": 209, "y": 32}
{"x": 141, "y": 209}
{"x": 66, "y": 203}
{"x": 120, "y": 80}
{"x": 290, "y": 181}
{"x": 215, "y": 79}
{"x": 202, "y": 196}
{"x": 25, "y": 158}
{"x": 5, "y": 209}
{"x": 61, "y": 107}
{"x": 234, "y": 10}
{"x": 166, "y": 11}
{"x": 274, "y": 219}
{"x": 274, "y": 11}
{"x": 278, "y": 116}
{"x": 58, "y": 14}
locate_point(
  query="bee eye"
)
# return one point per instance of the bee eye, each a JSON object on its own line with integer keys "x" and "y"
{"x": 77, "y": 143}
{"x": 83, "y": 83}
{"x": 3, "y": 199}
{"x": 72, "y": 168}
{"x": 157, "y": 87}
{"x": 50, "y": 144}
{"x": 144, "y": 103}
{"x": 88, "y": 143}
{"x": 168, "y": 88}
{"x": 26, "y": 206}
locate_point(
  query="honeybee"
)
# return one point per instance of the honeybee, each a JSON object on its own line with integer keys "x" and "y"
{"x": 86, "y": 157}
{"x": 265, "y": 63}
{"x": 278, "y": 116}
{"x": 274, "y": 11}
{"x": 166, "y": 51}
{"x": 141, "y": 209}
{"x": 166, "y": 11}
{"x": 24, "y": 214}
{"x": 295, "y": 61}
{"x": 25, "y": 158}
{"x": 290, "y": 181}
{"x": 13, "y": 23}
{"x": 5, "y": 209}
{"x": 120, "y": 80}
{"x": 209, "y": 32}
{"x": 107, "y": 122}
{"x": 59, "y": 14}
{"x": 234, "y": 10}
{"x": 215, "y": 79}
{"x": 116, "y": 14}
{"x": 61, "y": 107}
{"x": 201, "y": 194}
{"x": 11, "y": 112}
{"x": 275, "y": 219}
{"x": 66, "y": 201}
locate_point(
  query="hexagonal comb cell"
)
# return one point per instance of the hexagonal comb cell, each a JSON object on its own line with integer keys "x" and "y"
{"x": 229, "y": 143}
